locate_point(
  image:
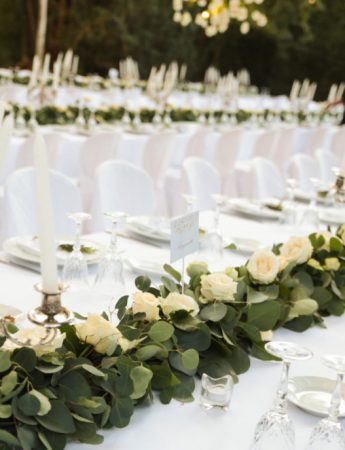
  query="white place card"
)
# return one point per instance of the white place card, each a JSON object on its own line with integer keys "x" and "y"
{"x": 184, "y": 238}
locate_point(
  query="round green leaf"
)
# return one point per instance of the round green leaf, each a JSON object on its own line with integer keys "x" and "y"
{"x": 5, "y": 362}
{"x": 141, "y": 377}
{"x": 58, "y": 419}
{"x": 303, "y": 307}
{"x": 190, "y": 359}
{"x": 93, "y": 370}
{"x": 147, "y": 352}
{"x": 161, "y": 331}
{"x": 264, "y": 315}
{"x": 5, "y": 411}
{"x": 29, "y": 405}
{"x": 214, "y": 312}
{"x": 8, "y": 438}
{"x": 45, "y": 405}
{"x": 9, "y": 382}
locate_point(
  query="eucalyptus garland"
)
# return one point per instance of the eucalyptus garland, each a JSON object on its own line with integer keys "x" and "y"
{"x": 94, "y": 373}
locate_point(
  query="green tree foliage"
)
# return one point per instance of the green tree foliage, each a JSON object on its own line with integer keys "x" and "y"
{"x": 301, "y": 39}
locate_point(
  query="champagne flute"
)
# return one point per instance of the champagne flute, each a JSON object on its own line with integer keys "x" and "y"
{"x": 275, "y": 429}
{"x": 329, "y": 434}
{"x": 75, "y": 271}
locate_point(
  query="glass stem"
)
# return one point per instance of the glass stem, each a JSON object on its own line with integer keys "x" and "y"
{"x": 77, "y": 245}
{"x": 113, "y": 241}
{"x": 280, "y": 403}
{"x": 217, "y": 219}
{"x": 336, "y": 399}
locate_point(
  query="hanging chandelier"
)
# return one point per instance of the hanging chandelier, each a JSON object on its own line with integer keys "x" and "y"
{"x": 215, "y": 16}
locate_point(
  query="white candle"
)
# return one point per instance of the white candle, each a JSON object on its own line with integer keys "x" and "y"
{"x": 5, "y": 136}
{"x": 75, "y": 65}
{"x": 36, "y": 64}
{"x": 45, "y": 219}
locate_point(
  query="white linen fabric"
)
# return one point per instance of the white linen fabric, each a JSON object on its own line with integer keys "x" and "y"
{"x": 122, "y": 186}
{"x": 202, "y": 180}
{"x": 20, "y": 203}
{"x": 338, "y": 143}
{"x": 327, "y": 162}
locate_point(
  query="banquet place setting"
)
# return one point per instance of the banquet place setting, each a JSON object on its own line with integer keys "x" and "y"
{"x": 172, "y": 202}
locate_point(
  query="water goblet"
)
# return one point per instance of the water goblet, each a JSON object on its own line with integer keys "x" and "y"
{"x": 216, "y": 392}
{"x": 191, "y": 201}
{"x": 275, "y": 429}
{"x": 75, "y": 272}
{"x": 109, "y": 278}
{"x": 329, "y": 434}
{"x": 289, "y": 208}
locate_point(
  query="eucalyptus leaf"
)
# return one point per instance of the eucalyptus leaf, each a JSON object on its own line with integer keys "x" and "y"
{"x": 5, "y": 411}
{"x": 174, "y": 273}
{"x": 45, "y": 405}
{"x": 264, "y": 315}
{"x": 5, "y": 361}
{"x": 8, "y": 438}
{"x": 141, "y": 377}
{"x": 9, "y": 382}
{"x": 161, "y": 331}
{"x": 214, "y": 312}
{"x": 58, "y": 419}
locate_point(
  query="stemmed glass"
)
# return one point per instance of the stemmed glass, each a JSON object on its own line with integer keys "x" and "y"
{"x": 275, "y": 429}
{"x": 191, "y": 201}
{"x": 289, "y": 207}
{"x": 109, "y": 278}
{"x": 329, "y": 434}
{"x": 75, "y": 272}
{"x": 212, "y": 243}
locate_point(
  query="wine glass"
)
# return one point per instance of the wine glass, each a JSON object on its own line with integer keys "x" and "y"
{"x": 75, "y": 272}
{"x": 109, "y": 278}
{"x": 329, "y": 434}
{"x": 275, "y": 429}
{"x": 289, "y": 208}
{"x": 191, "y": 201}
{"x": 211, "y": 245}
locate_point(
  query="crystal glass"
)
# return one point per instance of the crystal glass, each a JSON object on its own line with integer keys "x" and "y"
{"x": 310, "y": 217}
{"x": 109, "y": 278}
{"x": 329, "y": 434}
{"x": 216, "y": 392}
{"x": 75, "y": 272}
{"x": 275, "y": 429}
{"x": 212, "y": 244}
{"x": 191, "y": 201}
{"x": 289, "y": 216}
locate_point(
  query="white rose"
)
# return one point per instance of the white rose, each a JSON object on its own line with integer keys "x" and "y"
{"x": 179, "y": 302}
{"x": 297, "y": 249}
{"x": 98, "y": 332}
{"x": 197, "y": 268}
{"x": 217, "y": 286}
{"x": 35, "y": 336}
{"x": 264, "y": 266}
{"x": 144, "y": 302}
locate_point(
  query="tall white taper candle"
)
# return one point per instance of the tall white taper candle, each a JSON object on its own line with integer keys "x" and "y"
{"x": 45, "y": 218}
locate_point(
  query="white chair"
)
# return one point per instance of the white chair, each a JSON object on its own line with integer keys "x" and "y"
{"x": 265, "y": 143}
{"x": 261, "y": 180}
{"x": 25, "y": 156}
{"x": 326, "y": 161}
{"x": 20, "y": 203}
{"x": 338, "y": 143}
{"x": 157, "y": 155}
{"x": 95, "y": 150}
{"x": 317, "y": 139}
{"x": 197, "y": 144}
{"x": 284, "y": 148}
{"x": 303, "y": 168}
{"x": 122, "y": 186}
{"x": 201, "y": 179}
{"x": 225, "y": 156}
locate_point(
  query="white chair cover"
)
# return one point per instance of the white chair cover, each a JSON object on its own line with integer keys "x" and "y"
{"x": 198, "y": 143}
{"x": 326, "y": 161}
{"x": 267, "y": 178}
{"x": 284, "y": 148}
{"x": 302, "y": 168}
{"x": 317, "y": 139}
{"x": 20, "y": 203}
{"x": 25, "y": 156}
{"x": 122, "y": 186}
{"x": 266, "y": 143}
{"x": 338, "y": 143}
{"x": 202, "y": 180}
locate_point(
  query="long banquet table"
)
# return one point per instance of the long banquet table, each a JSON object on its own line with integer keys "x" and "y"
{"x": 188, "y": 426}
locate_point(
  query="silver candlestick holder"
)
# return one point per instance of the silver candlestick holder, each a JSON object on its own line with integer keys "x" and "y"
{"x": 339, "y": 194}
{"x": 51, "y": 313}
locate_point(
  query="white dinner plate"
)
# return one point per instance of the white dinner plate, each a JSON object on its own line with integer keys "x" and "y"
{"x": 332, "y": 216}
{"x": 154, "y": 228}
{"x": 306, "y": 196}
{"x": 142, "y": 267}
{"x": 313, "y": 394}
{"x": 253, "y": 208}
{"x": 26, "y": 248}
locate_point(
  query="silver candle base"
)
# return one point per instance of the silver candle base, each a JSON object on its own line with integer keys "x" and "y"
{"x": 51, "y": 313}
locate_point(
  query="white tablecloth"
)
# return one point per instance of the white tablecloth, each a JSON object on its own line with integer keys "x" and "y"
{"x": 188, "y": 427}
